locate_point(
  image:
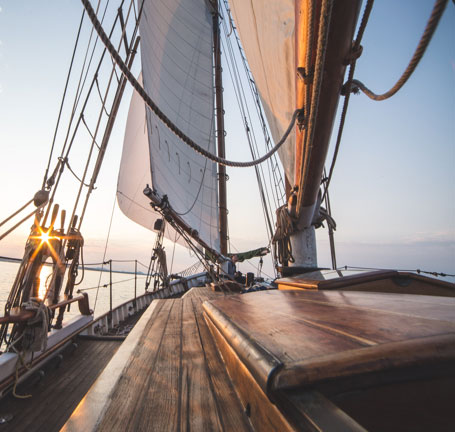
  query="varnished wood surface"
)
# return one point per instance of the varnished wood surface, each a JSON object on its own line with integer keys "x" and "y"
{"x": 314, "y": 334}
{"x": 56, "y": 396}
{"x": 175, "y": 378}
{"x": 387, "y": 281}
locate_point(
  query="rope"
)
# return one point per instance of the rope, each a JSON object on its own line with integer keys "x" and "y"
{"x": 22, "y": 221}
{"x": 430, "y": 28}
{"x": 16, "y": 212}
{"x": 65, "y": 161}
{"x": 322, "y": 40}
{"x": 105, "y": 250}
{"x": 281, "y": 239}
{"x": 355, "y": 49}
{"x": 63, "y": 100}
{"x": 187, "y": 140}
{"x": 106, "y": 285}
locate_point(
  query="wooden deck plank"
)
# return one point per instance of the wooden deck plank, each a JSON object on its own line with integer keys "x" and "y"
{"x": 57, "y": 395}
{"x": 178, "y": 382}
{"x": 132, "y": 386}
{"x": 197, "y": 407}
{"x": 230, "y": 410}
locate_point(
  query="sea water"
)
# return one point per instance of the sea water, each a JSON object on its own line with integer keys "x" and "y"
{"x": 122, "y": 288}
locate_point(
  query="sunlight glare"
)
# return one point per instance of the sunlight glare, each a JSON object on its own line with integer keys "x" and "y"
{"x": 45, "y": 272}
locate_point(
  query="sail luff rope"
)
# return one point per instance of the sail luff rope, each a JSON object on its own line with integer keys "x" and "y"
{"x": 430, "y": 28}
{"x": 187, "y": 140}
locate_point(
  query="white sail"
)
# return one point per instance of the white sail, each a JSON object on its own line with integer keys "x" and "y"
{"x": 266, "y": 29}
{"x": 177, "y": 72}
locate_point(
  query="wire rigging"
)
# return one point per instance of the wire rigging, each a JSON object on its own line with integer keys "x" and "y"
{"x": 151, "y": 104}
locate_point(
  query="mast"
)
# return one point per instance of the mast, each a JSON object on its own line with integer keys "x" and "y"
{"x": 320, "y": 105}
{"x": 220, "y": 131}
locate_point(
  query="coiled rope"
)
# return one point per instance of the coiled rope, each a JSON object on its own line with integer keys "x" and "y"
{"x": 152, "y": 105}
{"x": 430, "y": 28}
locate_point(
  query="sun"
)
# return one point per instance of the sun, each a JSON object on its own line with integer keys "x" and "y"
{"x": 45, "y": 237}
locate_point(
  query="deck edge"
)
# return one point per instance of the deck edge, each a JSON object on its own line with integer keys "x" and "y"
{"x": 92, "y": 407}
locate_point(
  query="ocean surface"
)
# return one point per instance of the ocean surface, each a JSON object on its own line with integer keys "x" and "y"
{"x": 122, "y": 288}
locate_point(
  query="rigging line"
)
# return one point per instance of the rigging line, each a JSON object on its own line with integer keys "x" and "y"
{"x": 198, "y": 192}
{"x": 173, "y": 252}
{"x": 106, "y": 285}
{"x": 330, "y": 228}
{"x": 418, "y": 271}
{"x": 239, "y": 93}
{"x": 105, "y": 249}
{"x": 79, "y": 93}
{"x": 251, "y": 137}
{"x": 74, "y": 174}
{"x": 430, "y": 28}
{"x": 89, "y": 158}
{"x": 258, "y": 107}
{"x": 250, "y": 263}
{"x": 277, "y": 195}
{"x": 135, "y": 202}
{"x": 78, "y": 122}
{"x": 114, "y": 110}
{"x": 191, "y": 246}
{"x": 21, "y": 221}
{"x": 107, "y": 131}
{"x": 324, "y": 25}
{"x": 355, "y": 49}
{"x": 101, "y": 97}
{"x": 89, "y": 131}
{"x": 16, "y": 212}
{"x": 187, "y": 140}
{"x": 63, "y": 100}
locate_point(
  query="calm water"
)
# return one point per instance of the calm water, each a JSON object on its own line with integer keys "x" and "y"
{"x": 122, "y": 288}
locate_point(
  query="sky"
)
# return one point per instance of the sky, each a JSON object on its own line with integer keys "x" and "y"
{"x": 393, "y": 190}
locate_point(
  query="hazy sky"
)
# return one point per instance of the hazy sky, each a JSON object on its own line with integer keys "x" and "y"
{"x": 393, "y": 192}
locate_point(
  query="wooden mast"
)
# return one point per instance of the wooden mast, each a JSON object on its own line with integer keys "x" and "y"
{"x": 220, "y": 131}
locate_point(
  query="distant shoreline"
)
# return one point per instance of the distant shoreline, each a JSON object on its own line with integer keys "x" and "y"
{"x": 18, "y": 260}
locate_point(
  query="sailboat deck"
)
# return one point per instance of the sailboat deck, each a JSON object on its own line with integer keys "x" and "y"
{"x": 173, "y": 378}
{"x": 56, "y": 396}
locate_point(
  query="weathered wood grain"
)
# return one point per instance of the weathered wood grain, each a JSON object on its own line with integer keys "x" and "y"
{"x": 57, "y": 395}
{"x": 175, "y": 380}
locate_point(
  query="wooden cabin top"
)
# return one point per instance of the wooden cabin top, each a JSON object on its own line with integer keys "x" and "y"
{"x": 391, "y": 281}
{"x": 299, "y": 339}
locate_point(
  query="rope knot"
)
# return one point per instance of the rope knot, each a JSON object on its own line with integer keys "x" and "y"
{"x": 354, "y": 54}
